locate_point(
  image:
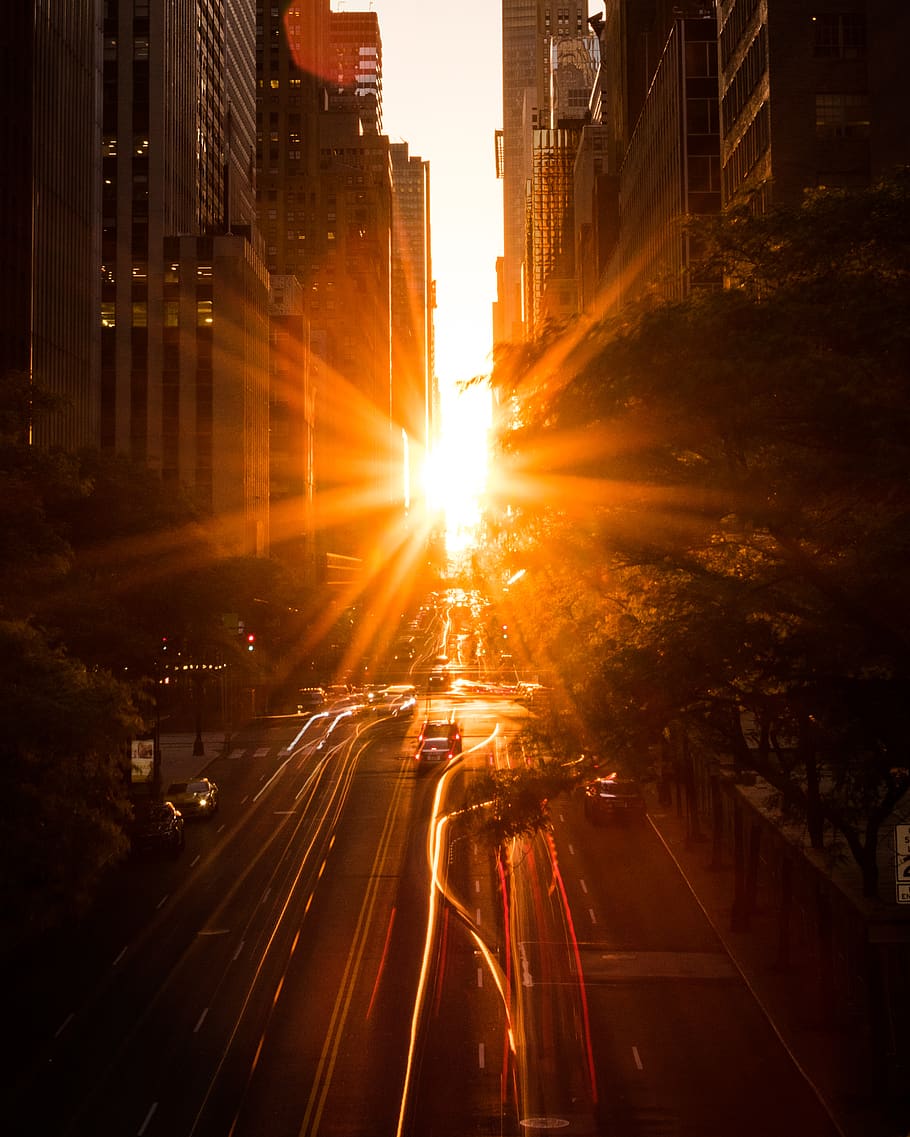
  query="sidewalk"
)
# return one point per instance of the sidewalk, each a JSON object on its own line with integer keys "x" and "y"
{"x": 829, "y": 1056}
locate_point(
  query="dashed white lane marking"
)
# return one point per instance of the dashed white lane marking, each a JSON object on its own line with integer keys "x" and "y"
{"x": 62, "y": 1027}
{"x": 148, "y": 1118}
{"x": 584, "y": 887}
{"x": 200, "y": 1021}
{"x": 481, "y": 1056}
{"x": 639, "y": 1065}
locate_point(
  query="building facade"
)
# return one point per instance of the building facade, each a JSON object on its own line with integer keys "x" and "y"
{"x": 356, "y": 61}
{"x": 50, "y": 128}
{"x": 332, "y": 212}
{"x": 183, "y": 283}
{"x": 529, "y": 28}
{"x": 811, "y": 95}
{"x": 412, "y": 312}
{"x": 671, "y": 170}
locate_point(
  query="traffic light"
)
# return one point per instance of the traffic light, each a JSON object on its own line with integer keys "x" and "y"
{"x": 251, "y": 641}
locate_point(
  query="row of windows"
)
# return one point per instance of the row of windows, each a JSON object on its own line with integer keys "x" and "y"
{"x": 842, "y": 116}
{"x": 275, "y": 84}
{"x": 733, "y": 30}
{"x": 138, "y": 312}
{"x": 839, "y": 35}
{"x": 750, "y": 148}
{"x": 745, "y": 80}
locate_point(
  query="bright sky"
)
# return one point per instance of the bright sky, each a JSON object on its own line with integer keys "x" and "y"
{"x": 442, "y": 94}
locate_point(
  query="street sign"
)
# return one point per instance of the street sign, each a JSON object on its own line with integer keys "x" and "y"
{"x": 902, "y": 862}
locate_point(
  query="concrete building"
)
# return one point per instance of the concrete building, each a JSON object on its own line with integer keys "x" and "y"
{"x": 183, "y": 283}
{"x": 356, "y": 60}
{"x": 551, "y": 292}
{"x": 671, "y": 169}
{"x": 50, "y": 129}
{"x": 811, "y": 94}
{"x": 292, "y": 422}
{"x": 413, "y": 373}
{"x": 325, "y": 200}
{"x": 214, "y": 391}
{"x": 528, "y": 29}
{"x": 651, "y": 157}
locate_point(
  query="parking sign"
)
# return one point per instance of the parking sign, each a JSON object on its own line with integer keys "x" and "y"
{"x": 902, "y": 862}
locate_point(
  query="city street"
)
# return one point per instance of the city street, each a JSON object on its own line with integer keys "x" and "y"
{"x": 333, "y": 955}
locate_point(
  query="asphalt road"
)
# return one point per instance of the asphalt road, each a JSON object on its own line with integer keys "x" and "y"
{"x": 337, "y": 953}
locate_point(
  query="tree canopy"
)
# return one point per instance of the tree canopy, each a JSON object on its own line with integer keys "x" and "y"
{"x": 716, "y": 493}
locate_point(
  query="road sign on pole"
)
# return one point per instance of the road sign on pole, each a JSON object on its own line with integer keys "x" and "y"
{"x": 902, "y": 862}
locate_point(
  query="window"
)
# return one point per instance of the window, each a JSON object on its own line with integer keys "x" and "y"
{"x": 108, "y": 314}
{"x": 204, "y": 314}
{"x": 842, "y": 116}
{"x": 839, "y": 35}
{"x": 171, "y": 313}
{"x": 701, "y": 116}
{"x": 140, "y": 314}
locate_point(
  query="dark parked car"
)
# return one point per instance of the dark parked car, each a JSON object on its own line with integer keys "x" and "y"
{"x": 437, "y": 742}
{"x": 198, "y": 798}
{"x": 614, "y": 799}
{"x": 157, "y": 828}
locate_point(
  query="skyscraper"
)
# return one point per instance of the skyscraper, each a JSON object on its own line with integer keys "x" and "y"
{"x": 49, "y": 193}
{"x": 528, "y": 29}
{"x": 412, "y": 306}
{"x": 184, "y": 333}
{"x": 810, "y": 95}
{"x": 325, "y": 199}
{"x": 356, "y": 61}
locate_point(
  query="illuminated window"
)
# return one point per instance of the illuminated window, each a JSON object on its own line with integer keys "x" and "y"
{"x": 172, "y": 274}
{"x": 140, "y": 314}
{"x": 171, "y": 313}
{"x": 273, "y": 83}
{"x": 204, "y": 313}
{"x": 108, "y": 314}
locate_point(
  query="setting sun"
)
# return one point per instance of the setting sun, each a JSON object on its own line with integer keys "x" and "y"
{"x": 456, "y": 469}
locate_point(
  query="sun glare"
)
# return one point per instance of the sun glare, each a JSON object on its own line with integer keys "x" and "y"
{"x": 457, "y": 467}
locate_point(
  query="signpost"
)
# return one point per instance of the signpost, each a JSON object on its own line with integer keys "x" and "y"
{"x": 902, "y": 862}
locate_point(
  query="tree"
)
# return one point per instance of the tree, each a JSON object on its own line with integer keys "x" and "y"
{"x": 64, "y": 778}
{"x": 736, "y": 469}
